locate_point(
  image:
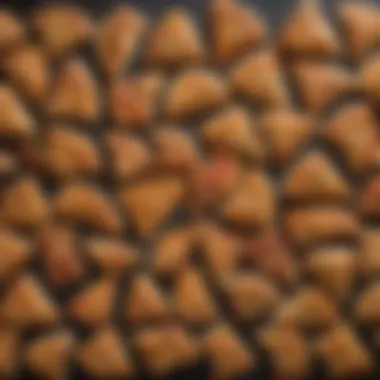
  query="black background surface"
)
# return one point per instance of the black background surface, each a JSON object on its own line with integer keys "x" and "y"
{"x": 273, "y": 9}
{"x": 275, "y": 12}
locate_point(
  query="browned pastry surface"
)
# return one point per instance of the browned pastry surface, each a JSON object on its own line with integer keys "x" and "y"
{"x": 173, "y": 195}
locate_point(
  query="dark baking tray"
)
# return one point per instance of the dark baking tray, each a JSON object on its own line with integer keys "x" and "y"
{"x": 275, "y": 12}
